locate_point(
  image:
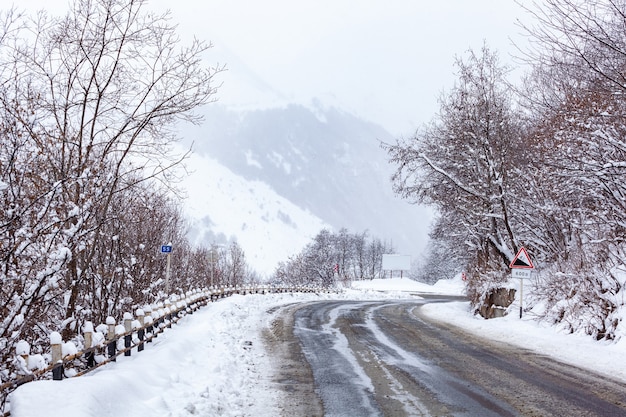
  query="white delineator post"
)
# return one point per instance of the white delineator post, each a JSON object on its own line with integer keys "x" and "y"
{"x": 88, "y": 334}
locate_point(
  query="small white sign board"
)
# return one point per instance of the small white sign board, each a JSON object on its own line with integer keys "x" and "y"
{"x": 521, "y": 273}
{"x": 392, "y": 262}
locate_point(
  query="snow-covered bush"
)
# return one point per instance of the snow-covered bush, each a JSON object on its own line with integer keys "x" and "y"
{"x": 583, "y": 300}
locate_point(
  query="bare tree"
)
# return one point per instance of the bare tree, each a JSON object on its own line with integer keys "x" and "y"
{"x": 88, "y": 103}
{"x": 292, "y": 272}
{"x": 236, "y": 270}
{"x": 374, "y": 260}
{"x": 462, "y": 164}
{"x": 445, "y": 256}
{"x": 344, "y": 246}
{"x": 360, "y": 256}
{"x": 575, "y": 41}
{"x": 576, "y": 93}
{"x": 329, "y": 256}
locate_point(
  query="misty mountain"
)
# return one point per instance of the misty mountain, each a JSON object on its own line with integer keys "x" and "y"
{"x": 323, "y": 160}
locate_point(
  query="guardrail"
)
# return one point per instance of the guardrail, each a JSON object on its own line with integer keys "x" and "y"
{"x": 110, "y": 340}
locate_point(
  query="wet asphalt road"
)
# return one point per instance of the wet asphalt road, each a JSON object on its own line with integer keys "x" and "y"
{"x": 383, "y": 358}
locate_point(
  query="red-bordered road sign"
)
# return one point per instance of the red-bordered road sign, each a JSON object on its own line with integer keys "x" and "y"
{"x": 522, "y": 260}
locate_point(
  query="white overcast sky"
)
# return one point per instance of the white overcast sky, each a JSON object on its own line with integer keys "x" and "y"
{"x": 386, "y": 61}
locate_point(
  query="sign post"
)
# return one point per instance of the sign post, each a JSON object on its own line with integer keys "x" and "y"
{"x": 167, "y": 249}
{"x": 521, "y": 266}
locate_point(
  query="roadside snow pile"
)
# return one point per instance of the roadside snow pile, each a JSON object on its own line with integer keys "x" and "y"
{"x": 211, "y": 363}
{"x": 449, "y": 286}
{"x": 407, "y": 286}
{"x": 576, "y": 349}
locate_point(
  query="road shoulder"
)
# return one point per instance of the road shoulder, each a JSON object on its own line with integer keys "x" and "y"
{"x": 292, "y": 374}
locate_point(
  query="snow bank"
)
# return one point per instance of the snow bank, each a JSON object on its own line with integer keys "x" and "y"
{"x": 211, "y": 363}
{"x": 408, "y": 286}
{"x": 575, "y": 349}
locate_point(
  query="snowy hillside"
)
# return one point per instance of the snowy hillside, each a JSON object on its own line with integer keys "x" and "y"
{"x": 223, "y": 206}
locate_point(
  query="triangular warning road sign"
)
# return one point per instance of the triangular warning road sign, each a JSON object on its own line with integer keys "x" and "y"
{"x": 522, "y": 260}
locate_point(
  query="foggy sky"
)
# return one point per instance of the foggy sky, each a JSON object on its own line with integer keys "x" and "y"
{"x": 386, "y": 61}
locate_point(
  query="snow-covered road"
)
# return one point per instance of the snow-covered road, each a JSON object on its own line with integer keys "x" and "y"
{"x": 385, "y": 358}
{"x": 214, "y": 362}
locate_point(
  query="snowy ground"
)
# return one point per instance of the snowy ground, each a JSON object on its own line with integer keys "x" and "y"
{"x": 213, "y": 362}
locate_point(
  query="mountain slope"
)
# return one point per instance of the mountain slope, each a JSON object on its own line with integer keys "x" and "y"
{"x": 325, "y": 162}
{"x": 223, "y": 206}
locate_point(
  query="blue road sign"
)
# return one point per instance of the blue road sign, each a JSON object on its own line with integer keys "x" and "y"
{"x": 166, "y": 248}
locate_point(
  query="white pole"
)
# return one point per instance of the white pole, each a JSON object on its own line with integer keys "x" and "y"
{"x": 521, "y": 295}
{"x": 211, "y": 267}
{"x": 167, "y": 276}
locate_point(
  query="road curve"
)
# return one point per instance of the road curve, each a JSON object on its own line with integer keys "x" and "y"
{"x": 383, "y": 358}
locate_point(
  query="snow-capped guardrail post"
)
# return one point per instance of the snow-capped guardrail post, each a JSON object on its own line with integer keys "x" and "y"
{"x": 151, "y": 320}
{"x": 111, "y": 341}
{"x": 156, "y": 324}
{"x": 120, "y": 331}
{"x": 194, "y": 301}
{"x": 148, "y": 319}
{"x": 158, "y": 319}
{"x": 178, "y": 307}
{"x": 88, "y": 342}
{"x": 185, "y": 304}
{"x": 22, "y": 349}
{"x": 141, "y": 332}
{"x": 168, "y": 313}
{"x": 56, "y": 353}
{"x": 128, "y": 335}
